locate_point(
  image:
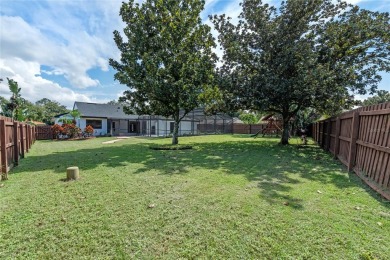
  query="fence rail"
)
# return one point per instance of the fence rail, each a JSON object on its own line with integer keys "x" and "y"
{"x": 360, "y": 139}
{"x": 16, "y": 139}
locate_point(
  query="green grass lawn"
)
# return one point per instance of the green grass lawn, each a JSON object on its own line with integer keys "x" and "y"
{"x": 228, "y": 197}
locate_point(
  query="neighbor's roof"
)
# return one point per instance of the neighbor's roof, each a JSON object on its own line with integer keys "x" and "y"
{"x": 35, "y": 122}
{"x": 102, "y": 110}
{"x": 60, "y": 115}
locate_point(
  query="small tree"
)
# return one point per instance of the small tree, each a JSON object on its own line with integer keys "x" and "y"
{"x": 13, "y": 108}
{"x": 167, "y": 60}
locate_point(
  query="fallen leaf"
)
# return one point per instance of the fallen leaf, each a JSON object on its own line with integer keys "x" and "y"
{"x": 357, "y": 208}
{"x": 151, "y": 206}
{"x": 318, "y": 191}
{"x": 379, "y": 223}
{"x": 286, "y": 203}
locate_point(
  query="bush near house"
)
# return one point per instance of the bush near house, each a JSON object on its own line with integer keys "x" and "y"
{"x": 88, "y": 130}
{"x": 57, "y": 130}
{"x": 71, "y": 130}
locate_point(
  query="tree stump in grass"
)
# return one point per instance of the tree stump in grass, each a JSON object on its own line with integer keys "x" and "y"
{"x": 72, "y": 173}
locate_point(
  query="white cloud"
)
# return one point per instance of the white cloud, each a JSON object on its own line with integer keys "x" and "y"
{"x": 33, "y": 86}
{"x": 68, "y": 37}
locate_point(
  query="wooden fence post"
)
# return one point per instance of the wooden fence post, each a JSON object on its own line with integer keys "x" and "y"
{"x": 4, "y": 162}
{"x": 27, "y": 138}
{"x": 328, "y": 132}
{"x": 16, "y": 143}
{"x": 21, "y": 126}
{"x": 337, "y": 137}
{"x": 323, "y": 134}
{"x": 354, "y": 136}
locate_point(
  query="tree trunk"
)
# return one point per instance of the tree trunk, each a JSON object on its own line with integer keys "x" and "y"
{"x": 286, "y": 130}
{"x": 175, "y": 137}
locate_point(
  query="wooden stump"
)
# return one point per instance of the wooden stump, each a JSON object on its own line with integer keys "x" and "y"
{"x": 72, "y": 173}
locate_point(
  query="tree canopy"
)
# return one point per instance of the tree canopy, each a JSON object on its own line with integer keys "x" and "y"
{"x": 21, "y": 109}
{"x": 13, "y": 107}
{"x": 381, "y": 96}
{"x": 249, "y": 118}
{"x": 166, "y": 58}
{"x": 306, "y": 53}
{"x": 48, "y": 109}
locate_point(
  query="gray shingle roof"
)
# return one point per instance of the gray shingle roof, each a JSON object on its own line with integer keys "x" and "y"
{"x": 102, "y": 110}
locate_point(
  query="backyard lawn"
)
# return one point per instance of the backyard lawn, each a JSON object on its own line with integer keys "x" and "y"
{"x": 231, "y": 196}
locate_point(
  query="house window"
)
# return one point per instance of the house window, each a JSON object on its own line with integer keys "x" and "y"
{"x": 96, "y": 124}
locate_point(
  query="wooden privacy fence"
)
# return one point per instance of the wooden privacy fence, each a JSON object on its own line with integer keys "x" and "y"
{"x": 360, "y": 139}
{"x": 16, "y": 139}
{"x": 44, "y": 132}
{"x": 248, "y": 128}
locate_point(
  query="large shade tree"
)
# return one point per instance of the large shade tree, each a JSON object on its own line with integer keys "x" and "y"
{"x": 166, "y": 58}
{"x": 306, "y": 53}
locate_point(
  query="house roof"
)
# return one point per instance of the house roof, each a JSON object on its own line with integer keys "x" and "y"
{"x": 102, "y": 110}
{"x": 116, "y": 112}
{"x": 35, "y": 122}
{"x": 60, "y": 115}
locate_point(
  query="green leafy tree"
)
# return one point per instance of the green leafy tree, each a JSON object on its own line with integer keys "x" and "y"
{"x": 3, "y": 105}
{"x": 13, "y": 107}
{"x": 248, "y": 118}
{"x": 31, "y": 111}
{"x": 381, "y": 96}
{"x": 307, "y": 53}
{"x": 166, "y": 59}
{"x": 75, "y": 114}
{"x": 49, "y": 109}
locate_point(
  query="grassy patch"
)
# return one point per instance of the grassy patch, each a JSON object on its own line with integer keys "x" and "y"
{"x": 231, "y": 197}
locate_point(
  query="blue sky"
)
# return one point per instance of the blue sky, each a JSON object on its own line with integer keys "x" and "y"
{"x": 59, "y": 49}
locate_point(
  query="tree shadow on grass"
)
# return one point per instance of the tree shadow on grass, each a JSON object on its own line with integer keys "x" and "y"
{"x": 274, "y": 169}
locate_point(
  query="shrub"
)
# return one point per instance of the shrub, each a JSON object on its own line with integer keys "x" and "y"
{"x": 88, "y": 130}
{"x": 57, "y": 130}
{"x": 71, "y": 130}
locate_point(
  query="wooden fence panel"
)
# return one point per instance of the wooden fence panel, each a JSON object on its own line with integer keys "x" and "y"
{"x": 332, "y": 142}
{"x": 361, "y": 140}
{"x": 15, "y": 140}
{"x": 248, "y": 128}
{"x": 44, "y": 133}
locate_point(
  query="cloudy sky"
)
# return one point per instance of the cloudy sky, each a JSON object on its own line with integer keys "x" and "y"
{"x": 59, "y": 49}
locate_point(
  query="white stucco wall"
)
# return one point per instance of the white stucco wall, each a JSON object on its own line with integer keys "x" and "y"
{"x": 83, "y": 124}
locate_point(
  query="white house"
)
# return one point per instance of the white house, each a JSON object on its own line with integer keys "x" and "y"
{"x": 112, "y": 120}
